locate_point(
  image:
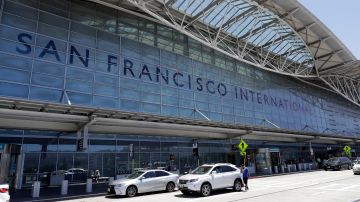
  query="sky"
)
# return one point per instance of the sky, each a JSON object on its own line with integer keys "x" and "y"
{"x": 342, "y": 17}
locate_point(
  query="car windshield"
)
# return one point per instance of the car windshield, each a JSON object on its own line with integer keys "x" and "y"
{"x": 333, "y": 160}
{"x": 201, "y": 170}
{"x": 135, "y": 175}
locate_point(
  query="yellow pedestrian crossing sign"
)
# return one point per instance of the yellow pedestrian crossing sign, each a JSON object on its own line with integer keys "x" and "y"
{"x": 242, "y": 147}
{"x": 347, "y": 150}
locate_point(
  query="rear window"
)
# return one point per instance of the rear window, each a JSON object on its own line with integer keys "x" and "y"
{"x": 161, "y": 173}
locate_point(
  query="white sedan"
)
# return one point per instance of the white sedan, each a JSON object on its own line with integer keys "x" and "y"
{"x": 144, "y": 181}
{"x": 4, "y": 193}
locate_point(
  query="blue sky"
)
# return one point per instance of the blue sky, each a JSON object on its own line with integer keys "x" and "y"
{"x": 341, "y": 17}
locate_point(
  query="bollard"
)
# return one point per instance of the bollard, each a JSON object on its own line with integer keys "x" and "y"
{"x": 89, "y": 185}
{"x": 294, "y": 168}
{"x": 36, "y": 189}
{"x": 282, "y": 169}
{"x": 306, "y": 166}
{"x": 111, "y": 179}
{"x": 289, "y": 168}
{"x": 298, "y": 166}
{"x": 64, "y": 187}
{"x": 276, "y": 170}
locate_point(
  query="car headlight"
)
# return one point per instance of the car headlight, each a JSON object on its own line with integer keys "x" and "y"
{"x": 193, "y": 180}
{"x": 118, "y": 185}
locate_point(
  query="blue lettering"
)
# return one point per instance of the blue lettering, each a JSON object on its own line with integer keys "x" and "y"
{"x": 224, "y": 91}
{"x": 165, "y": 78}
{"x": 110, "y": 62}
{"x": 175, "y": 79}
{"x": 128, "y": 65}
{"x": 207, "y": 87}
{"x": 198, "y": 81}
{"x": 145, "y": 71}
{"x": 46, "y": 50}
{"x": 21, "y": 39}
{"x": 84, "y": 61}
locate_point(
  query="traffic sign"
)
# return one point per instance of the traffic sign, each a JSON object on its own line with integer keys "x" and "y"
{"x": 242, "y": 145}
{"x": 347, "y": 150}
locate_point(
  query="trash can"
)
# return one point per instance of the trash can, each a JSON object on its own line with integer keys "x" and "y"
{"x": 35, "y": 193}
{"x": 64, "y": 187}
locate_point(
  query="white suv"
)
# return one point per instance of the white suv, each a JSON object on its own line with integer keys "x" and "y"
{"x": 209, "y": 177}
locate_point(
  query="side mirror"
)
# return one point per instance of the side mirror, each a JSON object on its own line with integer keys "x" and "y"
{"x": 213, "y": 172}
{"x": 141, "y": 178}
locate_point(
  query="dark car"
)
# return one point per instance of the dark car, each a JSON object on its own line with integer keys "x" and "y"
{"x": 338, "y": 163}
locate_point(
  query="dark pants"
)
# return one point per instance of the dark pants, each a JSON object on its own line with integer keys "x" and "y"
{"x": 246, "y": 182}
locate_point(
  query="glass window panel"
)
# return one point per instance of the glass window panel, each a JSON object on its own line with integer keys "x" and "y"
{"x": 150, "y": 108}
{"x": 7, "y": 74}
{"x": 108, "y": 42}
{"x": 105, "y": 102}
{"x": 52, "y": 31}
{"x": 10, "y": 47}
{"x": 50, "y": 55}
{"x": 106, "y": 79}
{"x": 49, "y": 68}
{"x": 131, "y": 48}
{"x": 105, "y": 90}
{"x": 42, "y": 42}
{"x": 153, "y": 98}
{"x": 82, "y": 60}
{"x": 79, "y": 98}
{"x": 130, "y": 105}
{"x": 103, "y": 66}
{"x": 81, "y": 74}
{"x": 37, "y": 93}
{"x": 53, "y": 20}
{"x": 171, "y": 111}
{"x": 49, "y": 81}
{"x": 26, "y": 12}
{"x": 14, "y": 90}
{"x": 18, "y": 22}
{"x": 150, "y": 55}
{"x": 130, "y": 94}
{"x": 77, "y": 85}
{"x": 15, "y": 62}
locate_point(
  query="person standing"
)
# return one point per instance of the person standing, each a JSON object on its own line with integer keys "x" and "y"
{"x": 245, "y": 172}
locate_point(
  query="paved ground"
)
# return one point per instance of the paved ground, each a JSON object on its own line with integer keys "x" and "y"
{"x": 314, "y": 186}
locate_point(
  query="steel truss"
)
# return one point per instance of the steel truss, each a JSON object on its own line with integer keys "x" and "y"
{"x": 249, "y": 32}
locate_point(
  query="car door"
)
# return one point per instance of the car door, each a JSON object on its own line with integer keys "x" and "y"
{"x": 162, "y": 179}
{"x": 217, "y": 180}
{"x": 147, "y": 182}
{"x": 228, "y": 175}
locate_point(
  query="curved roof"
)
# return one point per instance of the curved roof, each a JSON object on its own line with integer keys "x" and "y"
{"x": 275, "y": 35}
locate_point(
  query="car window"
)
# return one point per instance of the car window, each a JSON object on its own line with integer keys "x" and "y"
{"x": 217, "y": 169}
{"x": 149, "y": 174}
{"x": 161, "y": 173}
{"x": 225, "y": 169}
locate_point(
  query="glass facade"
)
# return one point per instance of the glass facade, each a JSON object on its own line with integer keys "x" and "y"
{"x": 80, "y": 53}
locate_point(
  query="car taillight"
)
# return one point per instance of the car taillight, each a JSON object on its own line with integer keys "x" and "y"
{"x": 3, "y": 190}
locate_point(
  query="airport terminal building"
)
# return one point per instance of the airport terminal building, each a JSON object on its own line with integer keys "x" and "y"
{"x": 118, "y": 85}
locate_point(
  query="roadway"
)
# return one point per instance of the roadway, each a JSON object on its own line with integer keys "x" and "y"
{"x": 311, "y": 186}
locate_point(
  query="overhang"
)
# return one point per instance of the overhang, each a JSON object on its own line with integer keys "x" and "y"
{"x": 31, "y": 115}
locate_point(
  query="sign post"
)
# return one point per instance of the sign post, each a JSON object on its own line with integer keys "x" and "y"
{"x": 242, "y": 147}
{"x": 131, "y": 148}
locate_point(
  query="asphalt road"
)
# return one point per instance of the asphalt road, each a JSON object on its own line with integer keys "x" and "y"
{"x": 313, "y": 186}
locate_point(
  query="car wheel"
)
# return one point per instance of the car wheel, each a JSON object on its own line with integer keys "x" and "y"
{"x": 237, "y": 185}
{"x": 170, "y": 187}
{"x": 131, "y": 191}
{"x": 205, "y": 190}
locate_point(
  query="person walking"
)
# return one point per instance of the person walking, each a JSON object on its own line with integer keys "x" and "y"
{"x": 245, "y": 172}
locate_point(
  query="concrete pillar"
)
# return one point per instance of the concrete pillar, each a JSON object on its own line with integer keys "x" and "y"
{"x": 289, "y": 168}
{"x": 282, "y": 169}
{"x": 35, "y": 193}
{"x": 299, "y": 166}
{"x": 88, "y": 185}
{"x": 64, "y": 187}
{"x": 294, "y": 166}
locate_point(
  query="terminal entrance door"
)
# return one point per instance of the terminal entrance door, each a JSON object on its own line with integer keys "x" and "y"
{"x": 275, "y": 160}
